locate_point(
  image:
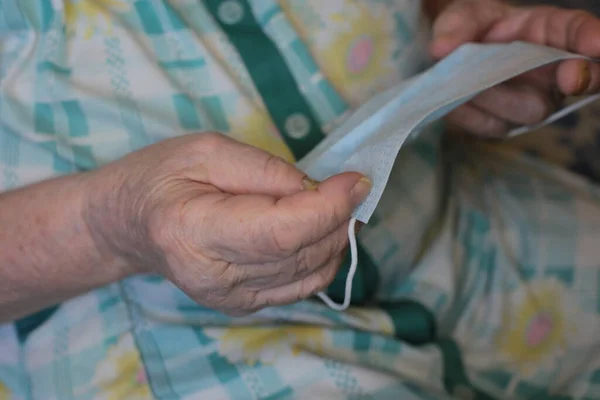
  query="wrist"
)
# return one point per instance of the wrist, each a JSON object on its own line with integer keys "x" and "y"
{"x": 104, "y": 221}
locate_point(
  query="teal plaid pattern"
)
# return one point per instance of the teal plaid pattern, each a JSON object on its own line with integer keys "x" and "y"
{"x": 472, "y": 245}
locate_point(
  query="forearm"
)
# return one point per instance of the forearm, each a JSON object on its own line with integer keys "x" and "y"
{"x": 47, "y": 253}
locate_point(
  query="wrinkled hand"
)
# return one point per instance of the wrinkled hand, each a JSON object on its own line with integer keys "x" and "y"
{"x": 235, "y": 227}
{"x": 532, "y": 97}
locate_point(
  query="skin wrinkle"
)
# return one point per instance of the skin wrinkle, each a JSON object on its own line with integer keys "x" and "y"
{"x": 318, "y": 224}
{"x": 291, "y": 260}
{"x": 274, "y": 163}
{"x": 303, "y": 259}
{"x": 278, "y": 231}
{"x": 253, "y": 239}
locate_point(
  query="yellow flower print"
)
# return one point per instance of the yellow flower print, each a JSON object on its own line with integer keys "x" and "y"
{"x": 256, "y": 129}
{"x": 371, "y": 320}
{"x": 92, "y": 14}
{"x": 266, "y": 344}
{"x": 121, "y": 375}
{"x": 4, "y": 392}
{"x": 356, "y": 51}
{"x": 539, "y": 329}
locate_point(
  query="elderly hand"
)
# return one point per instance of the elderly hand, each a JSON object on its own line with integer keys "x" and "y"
{"x": 532, "y": 97}
{"x": 236, "y": 228}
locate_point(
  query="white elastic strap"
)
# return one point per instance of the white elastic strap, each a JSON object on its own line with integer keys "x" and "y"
{"x": 556, "y": 116}
{"x": 350, "y": 278}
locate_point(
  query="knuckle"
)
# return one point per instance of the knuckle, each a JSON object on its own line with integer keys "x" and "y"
{"x": 274, "y": 166}
{"x": 329, "y": 273}
{"x": 536, "y": 108}
{"x": 322, "y": 279}
{"x": 577, "y": 19}
{"x": 268, "y": 302}
{"x": 211, "y": 141}
{"x": 303, "y": 262}
{"x": 251, "y": 302}
{"x": 329, "y": 216}
{"x": 320, "y": 283}
{"x": 305, "y": 290}
{"x": 227, "y": 280}
{"x": 492, "y": 126}
{"x": 282, "y": 240}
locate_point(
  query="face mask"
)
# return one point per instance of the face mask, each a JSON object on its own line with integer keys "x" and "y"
{"x": 369, "y": 141}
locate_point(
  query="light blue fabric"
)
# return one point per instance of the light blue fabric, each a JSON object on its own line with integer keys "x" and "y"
{"x": 369, "y": 141}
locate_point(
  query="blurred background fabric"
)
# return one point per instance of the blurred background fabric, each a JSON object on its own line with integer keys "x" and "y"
{"x": 574, "y": 141}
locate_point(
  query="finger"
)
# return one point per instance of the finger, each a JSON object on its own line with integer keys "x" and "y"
{"x": 572, "y": 30}
{"x": 300, "y": 265}
{"x": 465, "y": 21}
{"x": 517, "y": 104}
{"x": 302, "y": 219}
{"x": 475, "y": 121}
{"x": 543, "y": 78}
{"x": 577, "y": 77}
{"x": 251, "y": 229}
{"x": 237, "y": 168}
{"x": 571, "y": 77}
{"x": 299, "y": 290}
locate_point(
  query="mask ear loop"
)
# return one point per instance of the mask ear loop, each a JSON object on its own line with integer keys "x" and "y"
{"x": 350, "y": 278}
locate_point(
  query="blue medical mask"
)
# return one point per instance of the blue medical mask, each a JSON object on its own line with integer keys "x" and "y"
{"x": 369, "y": 141}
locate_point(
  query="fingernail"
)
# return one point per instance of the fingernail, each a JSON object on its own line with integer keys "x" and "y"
{"x": 309, "y": 183}
{"x": 585, "y": 77}
{"x": 361, "y": 190}
{"x": 358, "y": 227}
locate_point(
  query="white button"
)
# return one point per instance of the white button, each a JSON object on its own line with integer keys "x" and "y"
{"x": 231, "y": 12}
{"x": 463, "y": 393}
{"x": 297, "y": 126}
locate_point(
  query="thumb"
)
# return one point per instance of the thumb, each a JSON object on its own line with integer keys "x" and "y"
{"x": 464, "y": 21}
{"x": 318, "y": 212}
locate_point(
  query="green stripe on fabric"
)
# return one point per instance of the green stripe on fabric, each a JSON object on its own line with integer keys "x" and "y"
{"x": 174, "y": 17}
{"x": 78, "y": 125}
{"x": 413, "y": 322}
{"x": 25, "y": 326}
{"x": 84, "y": 157}
{"x": 455, "y": 378}
{"x": 269, "y": 71}
{"x": 366, "y": 280}
{"x": 44, "y": 118}
{"x": 52, "y": 67}
{"x": 285, "y": 393}
{"x": 186, "y": 112}
{"x": 214, "y": 108}
{"x": 149, "y": 18}
{"x": 227, "y": 373}
{"x": 47, "y": 14}
{"x": 184, "y": 64}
